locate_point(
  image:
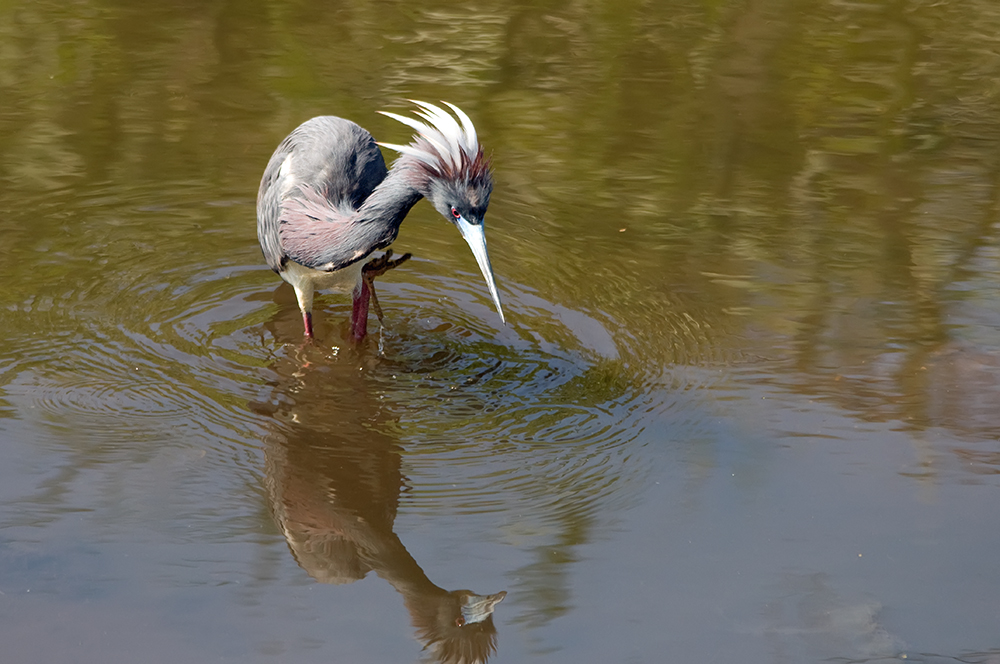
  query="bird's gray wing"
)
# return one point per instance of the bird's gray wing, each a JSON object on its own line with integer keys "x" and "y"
{"x": 333, "y": 155}
{"x": 317, "y": 235}
{"x": 269, "y": 207}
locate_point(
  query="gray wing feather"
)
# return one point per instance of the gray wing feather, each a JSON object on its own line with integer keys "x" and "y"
{"x": 339, "y": 163}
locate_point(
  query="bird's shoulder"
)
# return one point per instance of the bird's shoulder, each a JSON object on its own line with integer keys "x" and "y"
{"x": 332, "y": 154}
{"x": 335, "y": 147}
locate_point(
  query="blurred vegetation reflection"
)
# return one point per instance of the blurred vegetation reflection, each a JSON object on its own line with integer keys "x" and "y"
{"x": 816, "y": 182}
{"x": 689, "y": 195}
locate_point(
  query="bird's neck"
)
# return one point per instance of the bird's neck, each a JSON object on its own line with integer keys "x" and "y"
{"x": 393, "y": 197}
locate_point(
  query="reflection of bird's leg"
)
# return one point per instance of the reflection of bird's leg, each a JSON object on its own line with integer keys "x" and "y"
{"x": 365, "y": 291}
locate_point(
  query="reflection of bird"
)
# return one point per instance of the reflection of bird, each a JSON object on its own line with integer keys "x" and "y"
{"x": 334, "y": 474}
{"x": 327, "y": 202}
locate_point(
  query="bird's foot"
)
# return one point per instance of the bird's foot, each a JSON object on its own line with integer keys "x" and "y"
{"x": 376, "y": 267}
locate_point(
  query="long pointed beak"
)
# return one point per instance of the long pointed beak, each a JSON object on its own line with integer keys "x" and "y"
{"x": 475, "y": 235}
{"x": 477, "y": 608}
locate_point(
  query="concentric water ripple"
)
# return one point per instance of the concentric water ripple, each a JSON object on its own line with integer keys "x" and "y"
{"x": 147, "y": 341}
{"x": 111, "y": 328}
{"x": 538, "y": 419}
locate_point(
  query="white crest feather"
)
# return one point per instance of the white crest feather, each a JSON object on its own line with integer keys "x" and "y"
{"x": 448, "y": 138}
{"x": 471, "y": 140}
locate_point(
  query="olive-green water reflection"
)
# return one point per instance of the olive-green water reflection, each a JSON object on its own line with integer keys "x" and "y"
{"x": 750, "y": 252}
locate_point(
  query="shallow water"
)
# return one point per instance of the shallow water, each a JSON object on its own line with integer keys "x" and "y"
{"x": 744, "y": 408}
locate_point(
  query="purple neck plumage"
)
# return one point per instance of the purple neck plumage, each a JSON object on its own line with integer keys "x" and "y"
{"x": 405, "y": 184}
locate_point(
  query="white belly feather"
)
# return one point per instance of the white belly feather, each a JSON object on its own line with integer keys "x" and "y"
{"x": 305, "y": 280}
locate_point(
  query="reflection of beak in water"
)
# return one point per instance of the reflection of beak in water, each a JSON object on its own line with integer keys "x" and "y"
{"x": 477, "y": 608}
{"x": 447, "y": 627}
{"x": 334, "y": 481}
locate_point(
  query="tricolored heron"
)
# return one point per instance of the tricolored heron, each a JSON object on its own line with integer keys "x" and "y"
{"x": 327, "y": 202}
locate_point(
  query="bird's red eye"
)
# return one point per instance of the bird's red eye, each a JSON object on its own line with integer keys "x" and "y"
{"x": 454, "y": 212}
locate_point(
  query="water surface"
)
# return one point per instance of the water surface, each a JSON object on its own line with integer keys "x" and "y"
{"x": 744, "y": 408}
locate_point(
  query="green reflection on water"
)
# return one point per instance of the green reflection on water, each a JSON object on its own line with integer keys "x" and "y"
{"x": 802, "y": 191}
{"x": 810, "y": 183}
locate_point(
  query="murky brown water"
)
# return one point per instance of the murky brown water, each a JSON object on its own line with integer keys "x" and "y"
{"x": 745, "y": 408}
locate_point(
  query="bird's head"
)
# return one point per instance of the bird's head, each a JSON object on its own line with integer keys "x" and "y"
{"x": 451, "y": 170}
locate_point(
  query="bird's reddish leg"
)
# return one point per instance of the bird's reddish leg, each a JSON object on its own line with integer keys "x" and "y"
{"x": 307, "y": 323}
{"x": 359, "y": 312}
{"x": 365, "y": 292}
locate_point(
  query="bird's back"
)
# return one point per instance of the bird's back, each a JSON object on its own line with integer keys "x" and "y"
{"x": 332, "y": 155}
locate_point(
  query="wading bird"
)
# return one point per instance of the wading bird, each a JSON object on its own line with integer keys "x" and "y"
{"x": 327, "y": 202}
